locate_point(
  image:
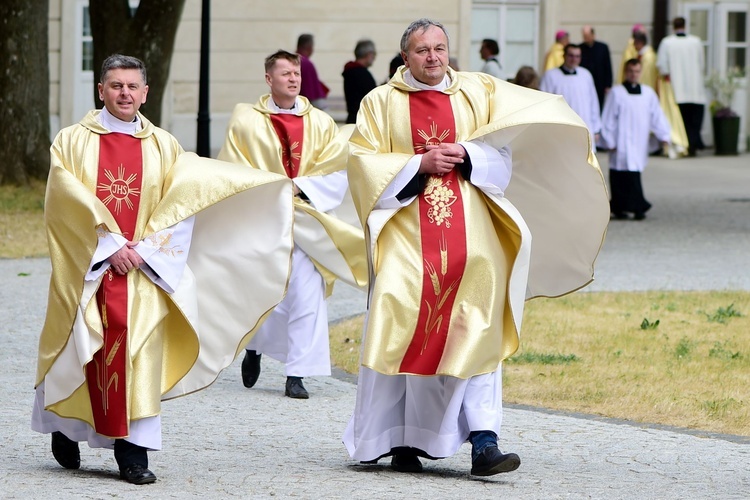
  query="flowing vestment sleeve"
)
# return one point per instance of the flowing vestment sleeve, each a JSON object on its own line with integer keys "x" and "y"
{"x": 327, "y": 236}
{"x": 238, "y": 266}
{"x": 556, "y": 186}
{"x": 330, "y": 240}
{"x": 72, "y": 214}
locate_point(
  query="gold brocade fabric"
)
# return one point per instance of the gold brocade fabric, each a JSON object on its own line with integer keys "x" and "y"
{"x": 72, "y": 211}
{"x": 555, "y": 57}
{"x": 678, "y": 138}
{"x": 649, "y": 73}
{"x": 558, "y": 195}
{"x": 630, "y": 52}
{"x": 165, "y": 351}
{"x": 251, "y": 140}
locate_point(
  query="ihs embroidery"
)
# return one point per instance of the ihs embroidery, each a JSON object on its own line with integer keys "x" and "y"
{"x": 431, "y": 139}
{"x": 119, "y": 189}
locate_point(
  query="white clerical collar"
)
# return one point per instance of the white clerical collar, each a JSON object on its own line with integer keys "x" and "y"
{"x": 412, "y": 82}
{"x": 114, "y": 124}
{"x": 276, "y": 109}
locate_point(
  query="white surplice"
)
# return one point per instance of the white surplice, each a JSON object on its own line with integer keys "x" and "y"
{"x": 681, "y": 57}
{"x": 627, "y": 121}
{"x": 579, "y": 92}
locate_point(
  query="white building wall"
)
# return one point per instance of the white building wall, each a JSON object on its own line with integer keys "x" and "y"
{"x": 244, "y": 32}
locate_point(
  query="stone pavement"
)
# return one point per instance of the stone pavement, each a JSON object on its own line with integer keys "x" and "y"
{"x": 228, "y": 441}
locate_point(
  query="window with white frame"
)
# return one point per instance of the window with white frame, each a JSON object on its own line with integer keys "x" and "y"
{"x": 514, "y": 24}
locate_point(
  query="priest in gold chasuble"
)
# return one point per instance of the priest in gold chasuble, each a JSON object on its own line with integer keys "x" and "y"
{"x": 283, "y": 133}
{"x": 155, "y": 285}
{"x": 452, "y": 175}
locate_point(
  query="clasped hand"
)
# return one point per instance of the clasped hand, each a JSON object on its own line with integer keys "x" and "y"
{"x": 125, "y": 259}
{"x": 440, "y": 159}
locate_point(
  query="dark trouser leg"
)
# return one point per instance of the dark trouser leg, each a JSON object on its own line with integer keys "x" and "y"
{"x": 627, "y": 193}
{"x": 692, "y": 117}
{"x": 480, "y": 440}
{"x": 127, "y": 453}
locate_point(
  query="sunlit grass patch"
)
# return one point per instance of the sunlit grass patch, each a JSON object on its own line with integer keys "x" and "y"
{"x": 542, "y": 358}
{"x": 22, "y": 221}
{"x": 587, "y": 352}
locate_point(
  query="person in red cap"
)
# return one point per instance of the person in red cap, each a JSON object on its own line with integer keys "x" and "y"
{"x": 556, "y": 55}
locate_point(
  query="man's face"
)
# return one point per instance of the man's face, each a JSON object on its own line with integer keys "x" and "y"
{"x": 284, "y": 79}
{"x": 484, "y": 52}
{"x": 633, "y": 73}
{"x": 370, "y": 59}
{"x": 588, "y": 36}
{"x": 123, "y": 93}
{"x": 572, "y": 57}
{"x": 427, "y": 57}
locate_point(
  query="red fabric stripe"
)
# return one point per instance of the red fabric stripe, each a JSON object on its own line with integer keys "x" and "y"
{"x": 118, "y": 186}
{"x": 443, "y": 236}
{"x": 290, "y": 129}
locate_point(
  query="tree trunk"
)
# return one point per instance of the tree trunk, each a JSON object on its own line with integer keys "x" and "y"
{"x": 149, "y": 35}
{"x": 24, "y": 91}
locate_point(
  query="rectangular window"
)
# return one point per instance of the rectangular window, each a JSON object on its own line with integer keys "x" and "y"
{"x": 737, "y": 40}
{"x": 699, "y": 24}
{"x": 514, "y": 25}
{"x": 87, "y": 43}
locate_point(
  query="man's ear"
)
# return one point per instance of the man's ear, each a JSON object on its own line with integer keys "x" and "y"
{"x": 403, "y": 56}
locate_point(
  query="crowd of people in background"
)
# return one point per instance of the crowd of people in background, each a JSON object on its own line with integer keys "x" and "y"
{"x": 584, "y": 75}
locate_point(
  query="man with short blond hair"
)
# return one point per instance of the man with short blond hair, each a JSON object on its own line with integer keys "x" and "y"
{"x": 283, "y": 133}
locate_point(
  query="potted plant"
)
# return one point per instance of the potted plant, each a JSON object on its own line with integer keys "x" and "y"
{"x": 726, "y": 122}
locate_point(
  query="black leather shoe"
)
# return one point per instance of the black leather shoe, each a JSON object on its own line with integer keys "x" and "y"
{"x": 406, "y": 462}
{"x": 295, "y": 389}
{"x": 250, "y": 368}
{"x": 639, "y": 216}
{"x": 65, "y": 451}
{"x": 491, "y": 461}
{"x": 137, "y": 474}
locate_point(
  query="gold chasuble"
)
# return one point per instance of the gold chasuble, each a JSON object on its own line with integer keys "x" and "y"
{"x": 450, "y": 271}
{"x": 307, "y": 144}
{"x": 113, "y": 347}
